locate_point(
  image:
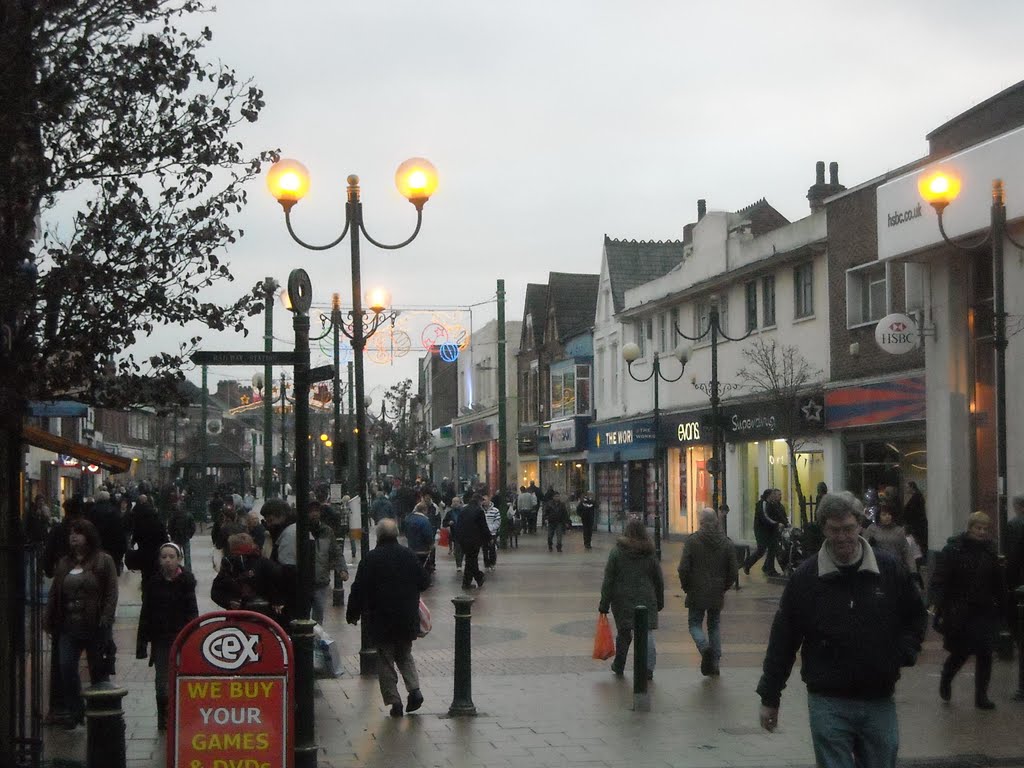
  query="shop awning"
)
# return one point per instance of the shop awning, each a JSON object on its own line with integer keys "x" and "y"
{"x": 50, "y": 442}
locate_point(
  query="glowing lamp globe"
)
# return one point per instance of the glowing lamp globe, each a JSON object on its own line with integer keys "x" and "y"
{"x": 323, "y": 437}
{"x": 630, "y": 352}
{"x": 416, "y": 179}
{"x": 288, "y": 181}
{"x": 939, "y": 188}
{"x": 286, "y": 299}
{"x": 378, "y": 299}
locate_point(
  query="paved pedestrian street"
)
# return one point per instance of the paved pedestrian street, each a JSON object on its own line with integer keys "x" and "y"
{"x": 542, "y": 700}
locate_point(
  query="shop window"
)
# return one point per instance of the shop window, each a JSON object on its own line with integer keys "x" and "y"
{"x": 803, "y": 290}
{"x": 768, "y": 301}
{"x": 702, "y": 318}
{"x": 582, "y": 390}
{"x": 867, "y": 294}
{"x": 563, "y": 394}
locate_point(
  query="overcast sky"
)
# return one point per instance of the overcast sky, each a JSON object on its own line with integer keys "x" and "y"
{"x": 553, "y": 123}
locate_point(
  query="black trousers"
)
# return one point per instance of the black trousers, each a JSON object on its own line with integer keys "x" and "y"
{"x": 587, "y": 519}
{"x": 472, "y": 570}
{"x": 766, "y": 543}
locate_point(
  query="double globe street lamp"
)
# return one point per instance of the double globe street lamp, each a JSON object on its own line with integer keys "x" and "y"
{"x": 631, "y": 353}
{"x": 416, "y": 179}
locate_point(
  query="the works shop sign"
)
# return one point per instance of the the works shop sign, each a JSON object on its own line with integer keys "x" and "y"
{"x": 231, "y": 694}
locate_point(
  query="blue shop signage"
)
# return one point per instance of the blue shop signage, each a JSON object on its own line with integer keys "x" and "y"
{"x": 630, "y": 440}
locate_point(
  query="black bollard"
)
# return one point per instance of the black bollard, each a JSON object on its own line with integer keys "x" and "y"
{"x": 462, "y": 703}
{"x": 338, "y": 594}
{"x": 104, "y": 722}
{"x": 641, "y": 703}
{"x": 1019, "y": 594}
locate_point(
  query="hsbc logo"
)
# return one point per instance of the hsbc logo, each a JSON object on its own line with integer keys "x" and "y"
{"x": 897, "y": 334}
{"x": 897, "y": 326}
{"x": 230, "y": 648}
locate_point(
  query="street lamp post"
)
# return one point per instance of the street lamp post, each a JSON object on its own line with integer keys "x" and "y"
{"x": 284, "y": 453}
{"x": 939, "y": 189}
{"x": 269, "y": 288}
{"x": 300, "y": 295}
{"x": 630, "y": 353}
{"x": 714, "y": 390}
{"x": 416, "y": 179}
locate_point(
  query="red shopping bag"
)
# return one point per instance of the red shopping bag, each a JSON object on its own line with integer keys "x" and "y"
{"x": 443, "y": 535}
{"x": 604, "y": 643}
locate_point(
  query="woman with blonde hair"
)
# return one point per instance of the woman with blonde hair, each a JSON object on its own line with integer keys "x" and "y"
{"x": 966, "y": 596}
{"x": 632, "y": 577}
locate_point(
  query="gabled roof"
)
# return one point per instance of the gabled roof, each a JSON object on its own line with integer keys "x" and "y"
{"x": 573, "y": 297}
{"x": 763, "y": 217}
{"x": 536, "y": 304}
{"x": 632, "y": 263}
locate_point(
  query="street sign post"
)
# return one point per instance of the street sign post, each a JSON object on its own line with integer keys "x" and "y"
{"x": 231, "y": 693}
{"x": 254, "y": 358}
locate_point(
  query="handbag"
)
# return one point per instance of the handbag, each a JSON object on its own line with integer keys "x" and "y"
{"x": 425, "y": 624}
{"x": 604, "y": 643}
{"x": 133, "y": 560}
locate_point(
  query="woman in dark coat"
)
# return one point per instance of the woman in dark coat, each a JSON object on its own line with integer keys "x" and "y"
{"x": 80, "y": 613}
{"x": 168, "y": 605}
{"x": 965, "y": 592}
{"x": 632, "y": 577}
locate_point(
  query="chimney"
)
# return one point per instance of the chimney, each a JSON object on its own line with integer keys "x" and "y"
{"x": 817, "y": 193}
{"x": 702, "y": 209}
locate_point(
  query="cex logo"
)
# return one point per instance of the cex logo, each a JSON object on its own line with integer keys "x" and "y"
{"x": 230, "y": 648}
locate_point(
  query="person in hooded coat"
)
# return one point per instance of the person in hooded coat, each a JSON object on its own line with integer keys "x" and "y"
{"x": 632, "y": 577}
{"x": 706, "y": 570}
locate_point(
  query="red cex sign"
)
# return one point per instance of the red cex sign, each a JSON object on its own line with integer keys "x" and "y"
{"x": 231, "y": 693}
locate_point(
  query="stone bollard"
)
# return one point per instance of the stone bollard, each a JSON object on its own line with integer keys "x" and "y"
{"x": 1019, "y": 594}
{"x": 462, "y": 703}
{"x": 641, "y": 701}
{"x": 104, "y": 722}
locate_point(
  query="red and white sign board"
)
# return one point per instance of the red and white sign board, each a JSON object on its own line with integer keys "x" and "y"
{"x": 231, "y": 693}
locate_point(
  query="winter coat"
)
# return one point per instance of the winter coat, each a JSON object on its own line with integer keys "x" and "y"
{"x": 181, "y": 527}
{"x": 386, "y": 593}
{"x": 250, "y": 579}
{"x": 916, "y": 521}
{"x": 892, "y": 539}
{"x": 632, "y": 577}
{"x": 148, "y": 533}
{"x": 707, "y": 569}
{"x": 471, "y": 529}
{"x": 93, "y": 604}
{"x": 556, "y": 513}
{"x": 107, "y": 519}
{"x": 327, "y": 556}
{"x": 167, "y": 606}
{"x": 854, "y": 628}
{"x": 381, "y": 508}
{"x": 419, "y": 532}
{"x": 966, "y": 591}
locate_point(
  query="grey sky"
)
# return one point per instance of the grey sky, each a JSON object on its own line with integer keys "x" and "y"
{"x": 553, "y": 123}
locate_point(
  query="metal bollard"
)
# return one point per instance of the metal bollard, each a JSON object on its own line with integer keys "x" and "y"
{"x": 641, "y": 702}
{"x": 1019, "y": 594}
{"x": 104, "y": 722}
{"x": 462, "y": 703}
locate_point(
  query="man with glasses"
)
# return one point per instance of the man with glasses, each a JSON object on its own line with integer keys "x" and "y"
{"x": 857, "y": 618}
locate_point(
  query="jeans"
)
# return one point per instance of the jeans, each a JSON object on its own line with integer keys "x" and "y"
{"x": 490, "y": 554}
{"x": 459, "y": 554}
{"x": 853, "y": 732}
{"x": 555, "y": 531}
{"x": 70, "y": 650}
{"x": 623, "y": 639}
{"x": 389, "y": 655}
{"x": 714, "y": 635}
{"x": 320, "y": 597}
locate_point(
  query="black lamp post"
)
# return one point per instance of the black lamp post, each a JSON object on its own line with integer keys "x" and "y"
{"x": 714, "y": 390}
{"x": 940, "y": 189}
{"x": 416, "y": 179}
{"x": 630, "y": 353}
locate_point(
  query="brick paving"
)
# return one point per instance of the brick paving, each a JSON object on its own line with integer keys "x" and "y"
{"x": 542, "y": 700}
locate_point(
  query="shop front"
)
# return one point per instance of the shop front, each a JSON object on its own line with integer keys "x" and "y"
{"x": 622, "y": 454}
{"x": 529, "y": 459}
{"x": 477, "y": 452}
{"x": 882, "y": 426}
{"x": 566, "y": 468}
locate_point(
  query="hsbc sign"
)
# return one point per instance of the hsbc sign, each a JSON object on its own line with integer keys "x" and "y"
{"x": 897, "y": 334}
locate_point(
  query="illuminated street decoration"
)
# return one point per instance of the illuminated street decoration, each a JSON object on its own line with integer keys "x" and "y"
{"x": 434, "y": 328}
{"x": 448, "y": 352}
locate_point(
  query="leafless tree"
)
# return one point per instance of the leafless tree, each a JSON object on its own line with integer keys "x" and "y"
{"x": 781, "y": 375}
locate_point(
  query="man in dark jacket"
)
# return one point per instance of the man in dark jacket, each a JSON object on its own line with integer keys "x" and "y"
{"x": 766, "y": 532}
{"x": 472, "y": 533}
{"x": 386, "y": 595}
{"x": 857, "y": 618}
{"x": 105, "y": 516}
{"x": 706, "y": 570}
{"x": 556, "y": 517}
{"x": 587, "y": 509}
